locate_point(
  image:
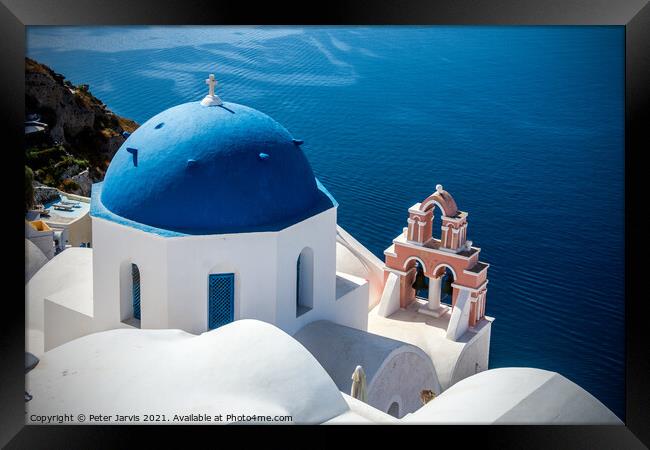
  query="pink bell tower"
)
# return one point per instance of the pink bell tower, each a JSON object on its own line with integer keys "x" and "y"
{"x": 451, "y": 256}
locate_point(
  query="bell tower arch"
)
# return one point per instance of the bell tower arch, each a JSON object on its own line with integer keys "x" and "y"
{"x": 449, "y": 255}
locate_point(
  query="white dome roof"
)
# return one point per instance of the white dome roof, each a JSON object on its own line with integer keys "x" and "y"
{"x": 246, "y": 367}
{"x": 515, "y": 395}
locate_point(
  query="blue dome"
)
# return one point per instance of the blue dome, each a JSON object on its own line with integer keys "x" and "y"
{"x": 196, "y": 169}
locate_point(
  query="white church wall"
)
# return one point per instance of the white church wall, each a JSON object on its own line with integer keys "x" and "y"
{"x": 351, "y": 305}
{"x": 174, "y": 276}
{"x": 250, "y": 256}
{"x": 319, "y": 234}
{"x": 459, "y": 321}
{"x": 115, "y": 247}
{"x": 389, "y": 302}
{"x": 475, "y": 355}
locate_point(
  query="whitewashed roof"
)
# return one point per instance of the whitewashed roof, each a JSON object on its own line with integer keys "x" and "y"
{"x": 246, "y": 367}
{"x": 514, "y": 395}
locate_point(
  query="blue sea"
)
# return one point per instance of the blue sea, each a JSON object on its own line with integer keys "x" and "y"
{"x": 523, "y": 125}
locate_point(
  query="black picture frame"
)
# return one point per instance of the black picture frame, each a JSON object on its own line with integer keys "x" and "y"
{"x": 633, "y": 15}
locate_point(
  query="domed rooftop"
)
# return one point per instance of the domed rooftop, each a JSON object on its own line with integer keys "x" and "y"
{"x": 222, "y": 168}
{"x": 247, "y": 367}
{"x": 515, "y": 395}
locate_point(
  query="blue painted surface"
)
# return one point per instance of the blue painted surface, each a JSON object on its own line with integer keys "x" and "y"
{"x": 134, "y": 152}
{"x": 221, "y": 299}
{"x": 203, "y": 173}
{"x": 523, "y": 125}
{"x": 78, "y": 210}
{"x": 135, "y": 278}
{"x": 97, "y": 209}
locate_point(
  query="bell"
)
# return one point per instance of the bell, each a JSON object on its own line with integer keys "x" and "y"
{"x": 419, "y": 283}
{"x": 447, "y": 288}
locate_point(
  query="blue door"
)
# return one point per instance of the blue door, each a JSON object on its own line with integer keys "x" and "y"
{"x": 135, "y": 275}
{"x": 221, "y": 299}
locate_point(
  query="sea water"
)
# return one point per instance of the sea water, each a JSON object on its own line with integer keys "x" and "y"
{"x": 523, "y": 125}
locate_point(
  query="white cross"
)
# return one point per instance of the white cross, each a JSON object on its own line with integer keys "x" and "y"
{"x": 212, "y": 83}
{"x": 211, "y": 99}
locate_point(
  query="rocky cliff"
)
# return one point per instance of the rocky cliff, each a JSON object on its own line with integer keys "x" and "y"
{"x": 81, "y": 136}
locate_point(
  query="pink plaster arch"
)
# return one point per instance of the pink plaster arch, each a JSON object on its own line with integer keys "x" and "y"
{"x": 430, "y": 204}
{"x": 416, "y": 258}
{"x": 441, "y": 265}
{"x": 442, "y": 200}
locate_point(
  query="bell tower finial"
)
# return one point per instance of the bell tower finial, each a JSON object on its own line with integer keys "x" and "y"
{"x": 211, "y": 99}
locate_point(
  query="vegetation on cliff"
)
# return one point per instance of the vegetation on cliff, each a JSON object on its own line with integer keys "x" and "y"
{"x": 29, "y": 188}
{"x": 82, "y": 134}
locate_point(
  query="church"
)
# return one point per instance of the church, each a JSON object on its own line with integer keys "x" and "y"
{"x": 216, "y": 249}
{"x": 211, "y": 213}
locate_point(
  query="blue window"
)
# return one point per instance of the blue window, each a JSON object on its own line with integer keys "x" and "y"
{"x": 135, "y": 276}
{"x": 221, "y": 299}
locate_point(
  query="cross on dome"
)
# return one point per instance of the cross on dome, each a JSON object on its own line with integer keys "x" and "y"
{"x": 211, "y": 99}
{"x": 212, "y": 82}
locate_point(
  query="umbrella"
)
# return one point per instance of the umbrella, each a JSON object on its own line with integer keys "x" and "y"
{"x": 359, "y": 384}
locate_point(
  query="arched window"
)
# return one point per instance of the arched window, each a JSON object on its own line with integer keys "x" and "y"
{"x": 446, "y": 288}
{"x": 421, "y": 282}
{"x": 436, "y": 224}
{"x": 135, "y": 291}
{"x": 393, "y": 409}
{"x": 304, "y": 281}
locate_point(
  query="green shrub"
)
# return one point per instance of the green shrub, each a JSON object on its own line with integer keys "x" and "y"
{"x": 49, "y": 164}
{"x": 40, "y": 158}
